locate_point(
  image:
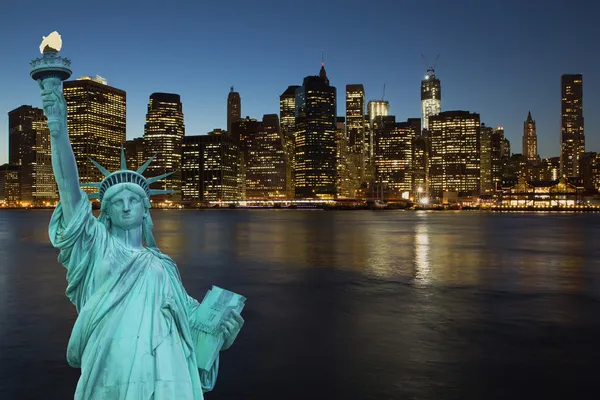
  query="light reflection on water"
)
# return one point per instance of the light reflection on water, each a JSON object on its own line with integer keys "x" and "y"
{"x": 402, "y": 304}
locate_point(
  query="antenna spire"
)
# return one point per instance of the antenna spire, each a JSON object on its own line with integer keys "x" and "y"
{"x": 383, "y": 95}
{"x": 322, "y": 58}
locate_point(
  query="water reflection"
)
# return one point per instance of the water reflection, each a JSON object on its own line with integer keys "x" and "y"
{"x": 421, "y": 240}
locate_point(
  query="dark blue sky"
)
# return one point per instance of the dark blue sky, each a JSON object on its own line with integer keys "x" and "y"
{"x": 498, "y": 58}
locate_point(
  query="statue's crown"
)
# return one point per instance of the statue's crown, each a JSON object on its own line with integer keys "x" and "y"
{"x": 125, "y": 175}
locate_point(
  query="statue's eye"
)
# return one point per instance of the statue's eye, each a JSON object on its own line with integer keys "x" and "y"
{"x": 133, "y": 200}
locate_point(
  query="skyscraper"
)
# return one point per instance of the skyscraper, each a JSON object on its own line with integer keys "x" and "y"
{"x": 454, "y": 156}
{"x": 530, "y": 139}
{"x": 242, "y": 132}
{"x": 420, "y": 158}
{"x": 359, "y": 138}
{"x": 266, "y": 163}
{"x": 134, "y": 153}
{"x": 315, "y": 163}
{"x": 345, "y": 187}
{"x": 431, "y": 97}
{"x": 29, "y": 147}
{"x": 497, "y": 157}
{"x": 378, "y": 108}
{"x": 393, "y": 153}
{"x": 9, "y": 184}
{"x": 287, "y": 118}
{"x": 96, "y": 120}
{"x": 589, "y": 169}
{"x": 572, "y": 134}
{"x": 234, "y": 108}
{"x": 487, "y": 181}
{"x": 355, "y": 117}
{"x": 163, "y": 135}
{"x": 209, "y": 168}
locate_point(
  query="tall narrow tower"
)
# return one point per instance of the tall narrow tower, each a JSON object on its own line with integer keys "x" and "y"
{"x": 431, "y": 97}
{"x": 234, "y": 108}
{"x": 572, "y": 136}
{"x": 315, "y": 163}
{"x": 529, "y": 139}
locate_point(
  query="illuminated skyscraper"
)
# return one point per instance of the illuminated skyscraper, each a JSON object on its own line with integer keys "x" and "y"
{"x": 9, "y": 184}
{"x": 134, "y": 153}
{"x": 266, "y": 162}
{"x": 234, "y": 108}
{"x": 345, "y": 186}
{"x": 163, "y": 135}
{"x": 287, "y": 118}
{"x": 420, "y": 157}
{"x": 589, "y": 169}
{"x": 96, "y": 120}
{"x": 529, "y": 139}
{"x": 550, "y": 169}
{"x": 359, "y": 138}
{"x": 506, "y": 152}
{"x": 355, "y": 118}
{"x": 487, "y": 181}
{"x": 242, "y": 132}
{"x": 454, "y": 163}
{"x": 29, "y": 147}
{"x": 498, "y": 157}
{"x": 393, "y": 153}
{"x": 431, "y": 97}
{"x": 378, "y": 108}
{"x": 209, "y": 168}
{"x": 572, "y": 135}
{"x": 315, "y": 163}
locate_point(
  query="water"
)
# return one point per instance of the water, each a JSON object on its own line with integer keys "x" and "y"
{"x": 347, "y": 305}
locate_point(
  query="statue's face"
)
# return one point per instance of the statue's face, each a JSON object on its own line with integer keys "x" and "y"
{"x": 126, "y": 210}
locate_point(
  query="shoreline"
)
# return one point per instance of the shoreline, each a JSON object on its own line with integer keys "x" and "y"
{"x": 364, "y": 208}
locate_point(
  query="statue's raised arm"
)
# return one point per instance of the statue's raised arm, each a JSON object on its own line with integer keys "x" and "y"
{"x": 63, "y": 159}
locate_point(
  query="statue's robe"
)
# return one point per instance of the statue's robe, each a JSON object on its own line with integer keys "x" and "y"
{"x": 134, "y": 335}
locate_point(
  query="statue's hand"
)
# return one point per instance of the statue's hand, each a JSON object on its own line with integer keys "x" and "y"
{"x": 230, "y": 328}
{"x": 54, "y": 104}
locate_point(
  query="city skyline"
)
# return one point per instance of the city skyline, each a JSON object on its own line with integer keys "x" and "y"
{"x": 499, "y": 73}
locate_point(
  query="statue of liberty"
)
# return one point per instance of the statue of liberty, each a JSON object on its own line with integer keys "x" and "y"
{"x": 138, "y": 334}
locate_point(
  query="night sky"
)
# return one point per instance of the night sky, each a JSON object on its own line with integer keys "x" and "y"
{"x": 500, "y": 59}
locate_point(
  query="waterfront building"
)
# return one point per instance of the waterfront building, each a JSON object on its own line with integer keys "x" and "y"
{"x": 563, "y": 192}
{"x": 454, "y": 161}
{"x": 267, "y": 168}
{"x": 209, "y": 168}
{"x": 393, "y": 155}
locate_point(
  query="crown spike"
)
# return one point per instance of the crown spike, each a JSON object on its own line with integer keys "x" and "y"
{"x": 101, "y": 168}
{"x": 93, "y": 195}
{"x": 91, "y": 184}
{"x": 123, "y": 160}
{"x": 143, "y": 167}
{"x": 158, "y": 178}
